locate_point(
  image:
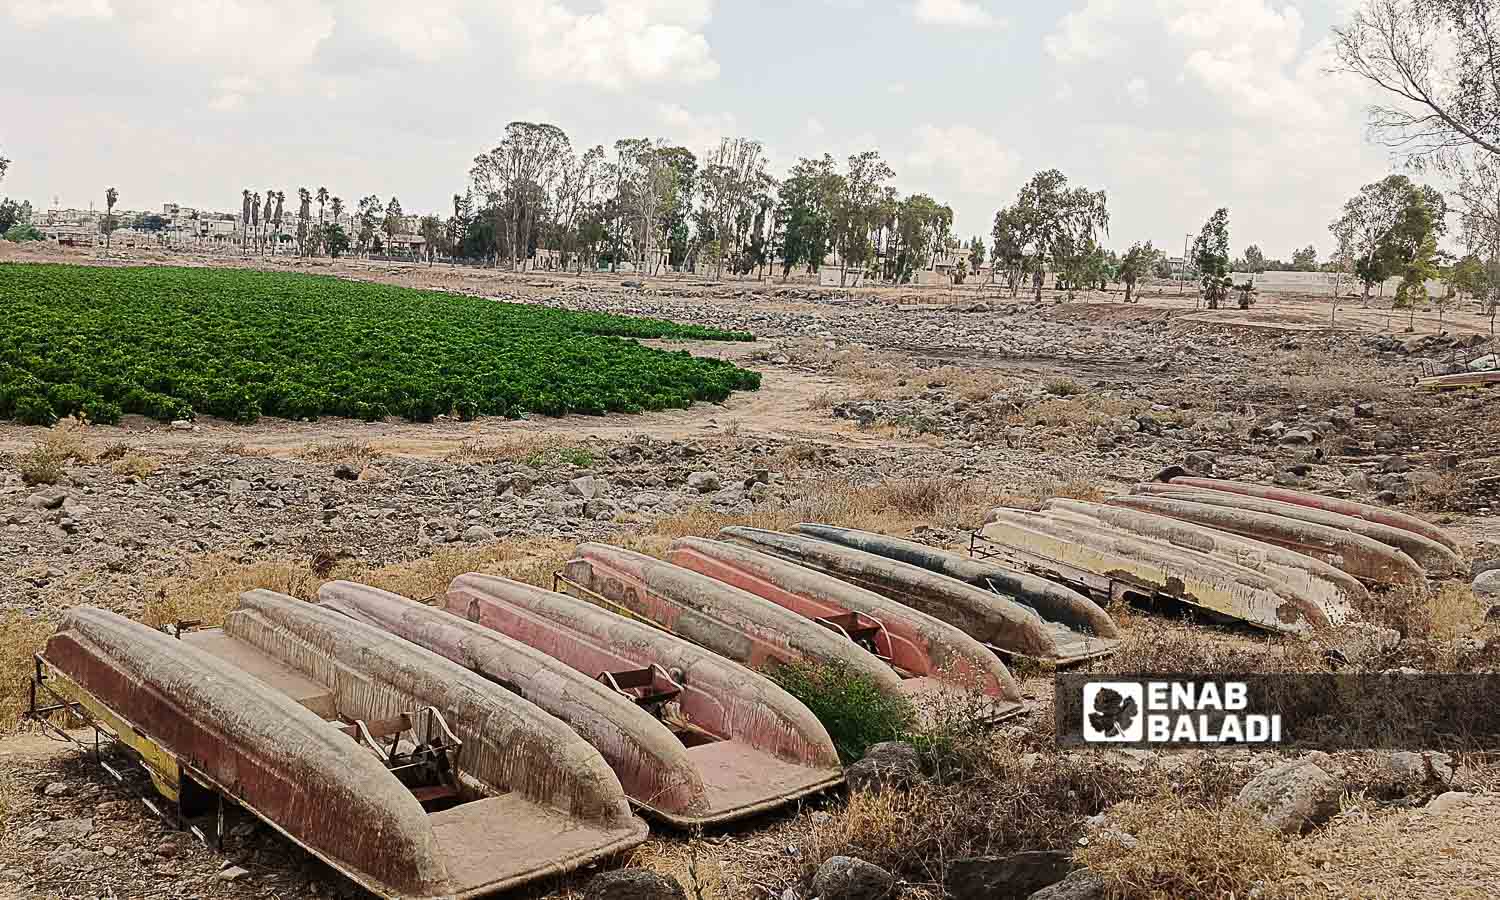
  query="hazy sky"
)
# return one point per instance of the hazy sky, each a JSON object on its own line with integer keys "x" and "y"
{"x": 1174, "y": 107}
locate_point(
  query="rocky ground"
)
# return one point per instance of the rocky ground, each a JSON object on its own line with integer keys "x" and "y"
{"x": 909, "y": 411}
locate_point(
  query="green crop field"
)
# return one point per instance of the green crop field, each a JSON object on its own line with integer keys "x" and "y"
{"x": 170, "y": 343}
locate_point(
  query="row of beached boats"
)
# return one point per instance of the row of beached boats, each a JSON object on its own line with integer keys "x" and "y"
{"x": 513, "y": 732}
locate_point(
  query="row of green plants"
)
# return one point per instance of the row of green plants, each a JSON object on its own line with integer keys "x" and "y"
{"x": 170, "y": 343}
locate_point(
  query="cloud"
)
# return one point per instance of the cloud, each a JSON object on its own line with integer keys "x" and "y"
{"x": 36, "y": 13}
{"x": 1089, "y": 33}
{"x": 624, "y": 44}
{"x": 978, "y": 159}
{"x": 814, "y": 128}
{"x": 1138, "y": 91}
{"x": 697, "y": 132}
{"x": 958, "y": 13}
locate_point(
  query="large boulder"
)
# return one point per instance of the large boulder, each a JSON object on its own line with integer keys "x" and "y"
{"x": 1080, "y": 885}
{"x": 1017, "y": 875}
{"x": 1487, "y": 585}
{"x": 847, "y": 878}
{"x": 889, "y": 764}
{"x": 632, "y": 884}
{"x": 1294, "y": 796}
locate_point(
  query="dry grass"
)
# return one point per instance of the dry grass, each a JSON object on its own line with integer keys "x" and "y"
{"x": 134, "y": 463}
{"x": 691, "y": 863}
{"x": 1084, "y": 412}
{"x": 20, "y": 638}
{"x": 209, "y": 589}
{"x": 1186, "y": 849}
{"x": 539, "y": 451}
{"x": 62, "y": 443}
{"x": 1150, "y": 643}
{"x": 986, "y": 797}
{"x": 356, "y": 453}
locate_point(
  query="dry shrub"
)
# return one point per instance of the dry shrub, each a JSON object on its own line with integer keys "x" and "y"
{"x": 691, "y": 863}
{"x": 1062, "y": 387}
{"x": 1152, "y": 644}
{"x": 115, "y": 451}
{"x": 1031, "y": 495}
{"x": 68, "y": 439}
{"x": 357, "y": 454}
{"x": 1406, "y": 609}
{"x": 824, "y": 400}
{"x": 539, "y": 451}
{"x": 39, "y": 466}
{"x": 20, "y": 638}
{"x": 987, "y": 798}
{"x": 133, "y": 463}
{"x": 1185, "y": 849}
{"x": 1456, "y": 611}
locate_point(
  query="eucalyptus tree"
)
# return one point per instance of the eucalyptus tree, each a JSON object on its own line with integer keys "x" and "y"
{"x": 518, "y": 173}
{"x": 1385, "y": 224}
{"x": 1434, "y": 63}
{"x": 808, "y": 202}
{"x": 580, "y": 179}
{"x": 1211, "y": 257}
{"x": 1051, "y": 226}
{"x": 733, "y": 173}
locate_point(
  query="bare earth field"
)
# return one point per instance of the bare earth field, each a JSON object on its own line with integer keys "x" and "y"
{"x": 911, "y": 411}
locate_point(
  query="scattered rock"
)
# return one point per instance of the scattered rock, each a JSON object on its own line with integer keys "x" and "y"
{"x": 886, "y": 765}
{"x": 847, "y": 878}
{"x": 345, "y": 472}
{"x": 478, "y": 534}
{"x": 233, "y": 873}
{"x": 704, "y": 482}
{"x": 181, "y": 425}
{"x": 586, "y": 486}
{"x": 1300, "y": 437}
{"x": 1294, "y": 796}
{"x": 1412, "y": 769}
{"x": 632, "y": 884}
{"x": 1386, "y": 440}
{"x": 1446, "y": 801}
{"x": 57, "y": 789}
{"x": 1018, "y": 874}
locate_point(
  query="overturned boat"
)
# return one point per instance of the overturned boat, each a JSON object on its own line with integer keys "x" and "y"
{"x": 733, "y": 623}
{"x": 751, "y": 744}
{"x": 1119, "y": 564}
{"x": 654, "y": 766}
{"x": 1430, "y": 556}
{"x": 1459, "y": 380}
{"x": 412, "y": 776}
{"x": 935, "y": 659}
{"x": 1379, "y": 514}
{"x": 1333, "y": 589}
{"x": 1018, "y": 614}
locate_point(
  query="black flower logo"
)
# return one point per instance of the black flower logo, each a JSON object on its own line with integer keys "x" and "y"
{"x": 1112, "y": 713}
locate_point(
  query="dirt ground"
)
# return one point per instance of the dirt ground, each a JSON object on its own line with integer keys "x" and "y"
{"x": 910, "y": 410}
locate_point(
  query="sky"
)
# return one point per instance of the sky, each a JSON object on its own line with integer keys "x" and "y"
{"x": 1173, "y": 107}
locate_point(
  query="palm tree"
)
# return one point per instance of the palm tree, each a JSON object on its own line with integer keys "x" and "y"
{"x": 265, "y": 219}
{"x": 304, "y": 207}
{"x": 110, "y": 196}
{"x": 244, "y": 221}
{"x": 322, "y": 199}
{"x": 276, "y": 219}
